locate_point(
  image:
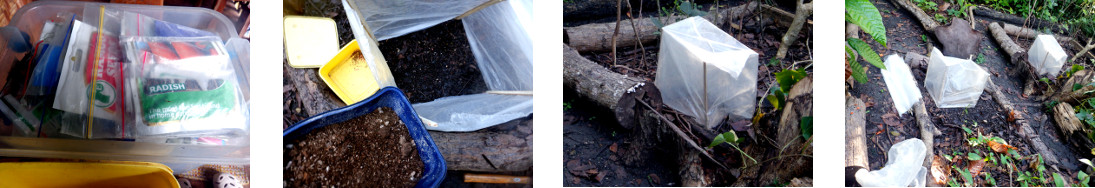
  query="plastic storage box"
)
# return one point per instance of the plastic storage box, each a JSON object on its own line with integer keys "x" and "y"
{"x": 954, "y": 82}
{"x": 179, "y": 157}
{"x": 385, "y": 97}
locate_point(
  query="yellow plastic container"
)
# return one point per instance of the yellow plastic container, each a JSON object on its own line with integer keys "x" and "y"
{"x": 310, "y": 41}
{"x": 349, "y": 75}
{"x": 86, "y": 174}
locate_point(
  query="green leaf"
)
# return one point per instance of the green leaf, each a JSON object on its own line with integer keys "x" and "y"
{"x": 988, "y": 177}
{"x": 787, "y": 78}
{"x": 1083, "y": 177}
{"x": 948, "y": 157}
{"x": 975, "y": 157}
{"x": 866, "y": 52}
{"x": 968, "y": 130}
{"x": 806, "y": 125}
{"x": 727, "y": 137}
{"x": 857, "y": 71}
{"x": 1060, "y": 181}
{"x": 966, "y": 175}
{"x": 864, "y": 14}
{"x": 774, "y": 100}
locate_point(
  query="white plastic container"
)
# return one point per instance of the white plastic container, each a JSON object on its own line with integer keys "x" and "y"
{"x": 954, "y": 82}
{"x": 1046, "y": 55}
{"x": 903, "y": 169}
{"x": 180, "y": 157}
{"x": 705, "y": 73}
{"x": 900, "y": 83}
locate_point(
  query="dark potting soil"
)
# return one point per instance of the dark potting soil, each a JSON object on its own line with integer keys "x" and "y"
{"x": 988, "y": 118}
{"x": 374, "y": 150}
{"x": 434, "y": 63}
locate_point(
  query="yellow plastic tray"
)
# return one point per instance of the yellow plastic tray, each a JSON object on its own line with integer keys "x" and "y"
{"x": 351, "y": 79}
{"x": 86, "y": 174}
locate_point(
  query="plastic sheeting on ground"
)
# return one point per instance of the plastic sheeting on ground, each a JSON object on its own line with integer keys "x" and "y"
{"x": 900, "y": 83}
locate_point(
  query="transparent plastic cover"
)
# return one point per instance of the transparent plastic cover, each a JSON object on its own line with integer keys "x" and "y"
{"x": 900, "y": 83}
{"x": 903, "y": 169}
{"x": 727, "y": 86}
{"x": 498, "y": 36}
{"x": 1046, "y": 55}
{"x": 954, "y": 82}
{"x": 390, "y": 19}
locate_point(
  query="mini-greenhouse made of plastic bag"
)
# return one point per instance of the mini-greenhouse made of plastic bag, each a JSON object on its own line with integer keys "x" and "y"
{"x": 900, "y": 83}
{"x": 954, "y": 82}
{"x": 498, "y": 35}
{"x": 1046, "y": 55}
{"x": 705, "y": 73}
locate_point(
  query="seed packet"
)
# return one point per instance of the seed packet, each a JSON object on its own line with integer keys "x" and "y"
{"x": 183, "y": 86}
{"x": 89, "y": 55}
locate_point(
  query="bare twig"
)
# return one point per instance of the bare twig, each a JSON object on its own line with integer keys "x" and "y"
{"x": 683, "y": 136}
{"x": 617, "y": 32}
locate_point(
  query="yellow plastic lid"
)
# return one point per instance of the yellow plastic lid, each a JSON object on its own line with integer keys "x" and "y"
{"x": 349, "y": 75}
{"x": 86, "y": 174}
{"x": 310, "y": 41}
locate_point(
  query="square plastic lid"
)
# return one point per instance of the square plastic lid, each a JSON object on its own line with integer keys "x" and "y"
{"x": 310, "y": 42}
{"x": 710, "y": 44}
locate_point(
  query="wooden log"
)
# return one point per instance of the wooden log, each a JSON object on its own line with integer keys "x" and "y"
{"x": 600, "y": 85}
{"x": 1015, "y": 20}
{"x": 1018, "y": 54}
{"x": 799, "y": 104}
{"x": 928, "y": 22}
{"x": 1068, "y": 94}
{"x": 801, "y": 12}
{"x": 1065, "y": 116}
{"x": 927, "y": 134}
{"x": 598, "y": 36}
{"x": 1031, "y": 33}
{"x": 855, "y": 133}
{"x": 597, "y": 9}
{"x": 503, "y": 148}
{"x": 1024, "y": 128}
{"x": 916, "y": 61}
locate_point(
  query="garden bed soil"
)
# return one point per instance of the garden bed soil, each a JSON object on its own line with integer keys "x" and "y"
{"x": 370, "y": 150}
{"x": 590, "y": 132}
{"x": 987, "y": 117}
{"x": 434, "y": 63}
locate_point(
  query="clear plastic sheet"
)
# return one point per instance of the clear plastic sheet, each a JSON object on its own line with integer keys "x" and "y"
{"x": 499, "y": 39}
{"x": 705, "y": 73}
{"x": 903, "y": 169}
{"x": 1046, "y": 55}
{"x": 954, "y": 82}
{"x": 389, "y": 19}
{"x": 900, "y": 83}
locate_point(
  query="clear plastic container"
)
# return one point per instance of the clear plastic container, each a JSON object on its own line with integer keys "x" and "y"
{"x": 181, "y": 157}
{"x": 954, "y": 82}
{"x": 1046, "y": 55}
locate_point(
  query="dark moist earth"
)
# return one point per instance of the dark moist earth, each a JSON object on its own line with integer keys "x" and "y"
{"x": 592, "y": 138}
{"x": 434, "y": 63}
{"x": 374, "y": 150}
{"x": 988, "y": 118}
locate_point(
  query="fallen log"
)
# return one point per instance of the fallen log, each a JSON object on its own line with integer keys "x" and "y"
{"x": 927, "y": 134}
{"x": 801, "y": 12}
{"x": 598, "y": 36}
{"x": 1069, "y": 94}
{"x": 928, "y": 22}
{"x": 789, "y": 134}
{"x": 1090, "y": 45}
{"x": 1024, "y": 128}
{"x": 855, "y": 133}
{"x": 493, "y": 149}
{"x": 1031, "y": 33}
{"x": 1018, "y": 54}
{"x": 1013, "y": 19}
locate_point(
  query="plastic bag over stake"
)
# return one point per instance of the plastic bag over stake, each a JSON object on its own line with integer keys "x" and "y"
{"x": 705, "y": 73}
{"x": 1046, "y": 55}
{"x": 900, "y": 83}
{"x": 954, "y": 82}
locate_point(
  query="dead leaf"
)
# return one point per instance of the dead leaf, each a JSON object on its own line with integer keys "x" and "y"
{"x": 612, "y": 148}
{"x": 1000, "y": 147}
{"x": 654, "y": 178}
{"x": 940, "y": 170}
{"x": 600, "y": 176}
{"x": 975, "y": 167}
{"x": 891, "y": 119}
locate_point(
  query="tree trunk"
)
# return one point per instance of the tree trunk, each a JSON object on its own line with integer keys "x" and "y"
{"x": 598, "y": 36}
{"x": 803, "y": 11}
{"x": 855, "y": 133}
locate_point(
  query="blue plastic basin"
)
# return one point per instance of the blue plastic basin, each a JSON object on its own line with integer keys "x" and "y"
{"x": 391, "y": 97}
